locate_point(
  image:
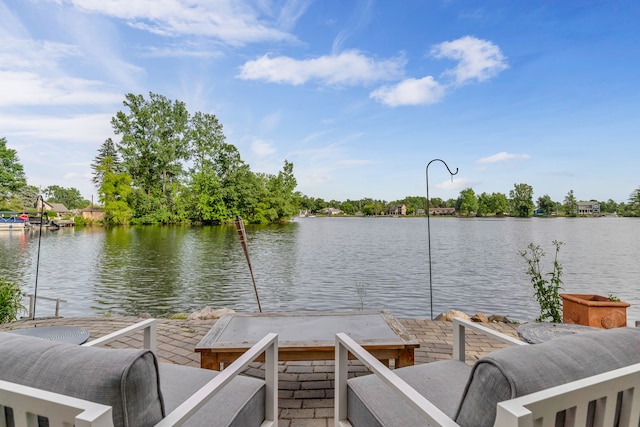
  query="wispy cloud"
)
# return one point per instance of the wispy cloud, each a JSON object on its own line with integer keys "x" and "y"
{"x": 89, "y": 129}
{"x": 230, "y": 21}
{"x": 477, "y": 59}
{"x": 25, "y": 88}
{"x": 455, "y": 184}
{"x": 360, "y": 17}
{"x": 347, "y": 68}
{"x": 262, "y": 148}
{"x": 502, "y": 157}
{"x": 290, "y": 12}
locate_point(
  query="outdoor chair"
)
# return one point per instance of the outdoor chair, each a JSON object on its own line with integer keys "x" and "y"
{"x": 59, "y": 384}
{"x": 586, "y": 379}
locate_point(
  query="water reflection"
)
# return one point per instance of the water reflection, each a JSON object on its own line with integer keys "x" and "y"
{"x": 319, "y": 264}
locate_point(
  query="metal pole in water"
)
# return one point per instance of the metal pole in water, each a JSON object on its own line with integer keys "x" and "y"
{"x": 429, "y": 227}
{"x": 243, "y": 241}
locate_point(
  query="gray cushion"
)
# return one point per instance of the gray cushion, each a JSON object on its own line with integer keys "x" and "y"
{"x": 371, "y": 403}
{"x": 126, "y": 380}
{"x": 241, "y": 403}
{"x": 518, "y": 371}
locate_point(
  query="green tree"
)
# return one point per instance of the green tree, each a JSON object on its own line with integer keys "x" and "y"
{"x": 207, "y": 142}
{"x": 634, "y": 203}
{"x": 570, "y": 204}
{"x": 107, "y": 160}
{"x": 348, "y": 207}
{"x": 436, "y": 202}
{"x": 155, "y": 142}
{"x": 610, "y": 206}
{"x": 70, "y": 197}
{"x": 485, "y": 204}
{"x": 369, "y": 209}
{"x": 27, "y": 197}
{"x": 113, "y": 193}
{"x": 521, "y": 200}
{"x": 499, "y": 203}
{"x": 276, "y": 199}
{"x": 546, "y": 205}
{"x": 451, "y": 203}
{"x": 467, "y": 201}
{"x": 12, "y": 177}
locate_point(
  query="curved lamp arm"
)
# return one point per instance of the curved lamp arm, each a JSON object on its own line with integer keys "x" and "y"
{"x": 429, "y": 226}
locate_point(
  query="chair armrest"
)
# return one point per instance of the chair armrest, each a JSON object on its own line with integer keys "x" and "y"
{"x": 27, "y": 402}
{"x": 267, "y": 345}
{"x": 346, "y": 345}
{"x": 150, "y": 329}
{"x": 459, "y": 328}
{"x": 540, "y": 408}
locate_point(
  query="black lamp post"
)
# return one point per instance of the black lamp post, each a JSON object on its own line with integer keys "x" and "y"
{"x": 429, "y": 227}
{"x": 35, "y": 291}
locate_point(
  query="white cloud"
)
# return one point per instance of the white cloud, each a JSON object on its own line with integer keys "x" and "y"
{"x": 478, "y": 59}
{"x": 230, "y": 21}
{"x": 30, "y": 75}
{"x": 16, "y": 53}
{"x": 410, "y": 92}
{"x": 27, "y": 88}
{"x": 503, "y": 157}
{"x": 262, "y": 148}
{"x": 89, "y": 129}
{"x": 347, "y": 68}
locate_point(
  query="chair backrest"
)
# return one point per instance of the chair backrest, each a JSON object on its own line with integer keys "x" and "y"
{"x": 517, "y": 371}
{"x": 127, "y": 380}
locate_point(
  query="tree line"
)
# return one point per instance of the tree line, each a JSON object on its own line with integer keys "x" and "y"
{"x": 519, "y": 202}
{"x": 171, "y": 166}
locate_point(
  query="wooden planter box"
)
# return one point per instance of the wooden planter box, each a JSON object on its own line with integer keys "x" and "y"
{"x": 593, "y": 310}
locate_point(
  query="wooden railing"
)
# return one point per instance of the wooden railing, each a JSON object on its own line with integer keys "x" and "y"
{"x": 32, "y": 303}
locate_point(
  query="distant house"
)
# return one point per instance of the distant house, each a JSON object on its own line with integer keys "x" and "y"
{"x": 397, "y": 210}
{"x": 442, "y": 211}
{"x": 96, "y": 214}
{"x": 58, "y": 208}
{"x": 331, "y": 211}
{"x": 588, "y": 208}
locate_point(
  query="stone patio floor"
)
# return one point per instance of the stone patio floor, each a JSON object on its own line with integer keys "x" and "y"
{"x": 305, "y": 388}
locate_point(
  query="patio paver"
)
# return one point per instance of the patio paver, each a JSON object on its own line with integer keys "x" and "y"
{"x": 305, "y": 388}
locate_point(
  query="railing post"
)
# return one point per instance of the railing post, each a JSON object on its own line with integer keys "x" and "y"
{"x": 341, "y": 374}
{"x": 57, "y": 307}
{"x": 150, "y": 337}
{"x": 271, "y": 378}
{"x": 458, "y": 341}
{"x": 31, "y": 307}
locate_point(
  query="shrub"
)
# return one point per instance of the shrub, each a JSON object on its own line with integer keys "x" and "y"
{"x": 10, "y": 301}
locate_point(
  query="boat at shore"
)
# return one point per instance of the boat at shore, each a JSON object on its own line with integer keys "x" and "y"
{"x": 14, "y": 221}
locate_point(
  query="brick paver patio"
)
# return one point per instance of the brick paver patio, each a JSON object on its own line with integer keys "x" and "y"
{"x": 305, "y": 388}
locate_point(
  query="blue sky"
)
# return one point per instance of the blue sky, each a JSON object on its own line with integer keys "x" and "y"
{"x": 358, "y": 95}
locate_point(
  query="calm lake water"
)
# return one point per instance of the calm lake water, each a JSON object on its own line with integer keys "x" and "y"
{"x": 323, "y": 264}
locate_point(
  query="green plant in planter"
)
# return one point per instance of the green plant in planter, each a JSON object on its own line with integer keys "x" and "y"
{"x": 613, "y": 298}
{"x": 10, "y": 301}
{"x": 546, "y": 290}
